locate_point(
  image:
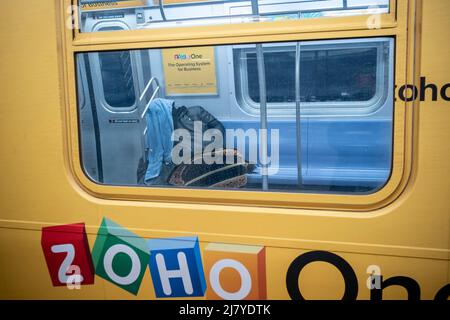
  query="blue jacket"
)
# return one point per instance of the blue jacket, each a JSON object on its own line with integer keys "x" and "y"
{"x": 159, "y": 136}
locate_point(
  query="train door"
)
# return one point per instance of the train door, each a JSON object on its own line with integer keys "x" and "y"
{"x": 117, "y": 80}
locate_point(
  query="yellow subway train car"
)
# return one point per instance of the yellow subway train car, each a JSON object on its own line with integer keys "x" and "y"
{"x": 225, "y": 149}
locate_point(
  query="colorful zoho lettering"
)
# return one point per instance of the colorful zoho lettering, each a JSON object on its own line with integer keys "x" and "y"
{"x": 121, "y": 257}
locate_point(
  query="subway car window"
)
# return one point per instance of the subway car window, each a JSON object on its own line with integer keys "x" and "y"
{"x": 341, "y": 78}
{"x": 327, "y": 75}
{"x": 191, "y": 127}
{"x": 154, "y": 14}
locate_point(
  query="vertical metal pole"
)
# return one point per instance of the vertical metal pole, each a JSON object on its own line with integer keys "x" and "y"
{"x": 161, "y": 9}
{"x": 255, "y": 8}
{"x": 297, "y": 115}
{"x": 263, "y": 116}
{"x": 263, "y": 106}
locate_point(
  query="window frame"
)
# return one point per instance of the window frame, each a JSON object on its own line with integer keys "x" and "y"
{"x": 234, "y": 32}
{"x": 329, "y": 108}
{"x": 326, "y": 9}
{"x": 398, "y": 23}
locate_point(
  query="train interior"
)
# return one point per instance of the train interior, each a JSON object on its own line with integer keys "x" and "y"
{"x": 327, "y": 105}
